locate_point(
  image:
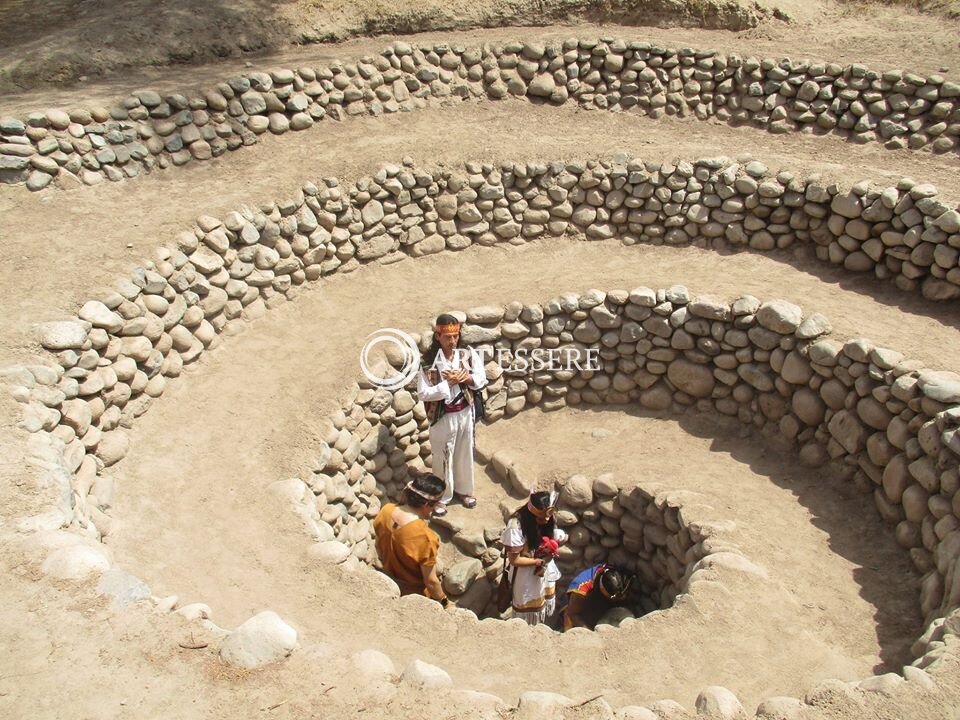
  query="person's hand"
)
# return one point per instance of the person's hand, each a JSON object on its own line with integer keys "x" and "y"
{"x": 454, "y": 377}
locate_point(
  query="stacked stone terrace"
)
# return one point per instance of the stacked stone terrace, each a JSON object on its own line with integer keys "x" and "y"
{"x": 371, "y": 446}
{"x": 889, "y": 423}
{"x": 146, "y": 130}
{"x": 881, "y": 421}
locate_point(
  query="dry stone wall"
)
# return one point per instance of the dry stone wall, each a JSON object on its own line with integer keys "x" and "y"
{"x": 886, "y": 423}
{"x": 659, "y": 535}
{"x": 649, "y": 533}
{"x": 147, "y": 130}
{"x": 371, "y": 446}
{"x": 905, "y": 233}
{"x": 883, "y": 422}
{"x": 125, "y": 346}
{"x": 890, "y": 425}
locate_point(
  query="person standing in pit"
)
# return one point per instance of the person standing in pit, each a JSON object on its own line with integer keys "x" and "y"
{"x": 450, "y": 379}
{"x": 533, "y": 574}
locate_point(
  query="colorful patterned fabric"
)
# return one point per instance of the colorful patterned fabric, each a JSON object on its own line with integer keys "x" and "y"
{"x": 582, "y": 582}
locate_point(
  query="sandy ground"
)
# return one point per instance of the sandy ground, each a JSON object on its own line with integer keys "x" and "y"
{"x": 195, "y": 518}
{"x": 55, "y": 43}
{"x": 208, "y": 479}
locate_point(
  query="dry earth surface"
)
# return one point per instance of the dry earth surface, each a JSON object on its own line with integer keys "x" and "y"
{"x": 195, "y": 518}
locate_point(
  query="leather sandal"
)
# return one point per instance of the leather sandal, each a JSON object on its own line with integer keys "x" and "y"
{"x": 440, "y": 510}
{"x": 469, "y": 501}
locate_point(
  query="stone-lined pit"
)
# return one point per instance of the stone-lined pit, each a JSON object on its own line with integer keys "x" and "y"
{"x": 890, "y": 424}
{"x": 642, "y": 530}
{"x": 879, "y": 420}
{"x": 645, "y": 531}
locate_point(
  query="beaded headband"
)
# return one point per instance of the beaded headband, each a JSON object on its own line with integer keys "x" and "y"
{"x": 537, "y": 512}
{"x": 447, "y": 329}
{"x": 430, "y": 498}
{"x": 612, "y": 596}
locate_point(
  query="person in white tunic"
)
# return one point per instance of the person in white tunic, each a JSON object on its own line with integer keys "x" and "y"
{"x": 534, "y": 580}
{"x": 449, "y": 380}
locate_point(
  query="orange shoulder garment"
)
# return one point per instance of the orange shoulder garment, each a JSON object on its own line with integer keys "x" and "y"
{"x": 404, "y": 550}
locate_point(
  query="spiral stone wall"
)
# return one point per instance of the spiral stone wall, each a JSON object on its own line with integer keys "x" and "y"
{"x": 147, "y": 130}
{"x": 881, "y": 421}
{"x": 905, "y": 233}
{"x": 885, "y": 422}
{"x": 370, "y": 447}
{"x": 119, "y": 354}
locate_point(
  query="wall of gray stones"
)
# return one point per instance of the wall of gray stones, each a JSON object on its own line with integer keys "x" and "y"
{"x": 636, "y": 528}
{"x": 633, "y": 528}
{"x": 147, "y": 130}
{"x": 885, "y": 423}
{"x": 370, "y": 447}
{"x": 890, "y": 424}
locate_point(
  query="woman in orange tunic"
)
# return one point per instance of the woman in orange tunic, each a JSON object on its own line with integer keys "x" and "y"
{"x": 407, "y": 547}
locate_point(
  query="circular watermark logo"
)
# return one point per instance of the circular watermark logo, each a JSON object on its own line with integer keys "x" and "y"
{"x": 398, "y": 344}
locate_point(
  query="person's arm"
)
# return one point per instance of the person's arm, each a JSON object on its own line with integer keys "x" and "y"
{"x": 478, "y": 376}
{"x": 432, "y": 581}
{"x": 516, "y": 558}
{"x": 428, "y": 393}
{"x": 575, "y": 607}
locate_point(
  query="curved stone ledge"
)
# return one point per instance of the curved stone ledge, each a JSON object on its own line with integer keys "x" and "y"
{"x": 369, "y": 451}
{"x": 147, "y": 130}
{"x": 888, "y": 424}
{"x": 118, "y": 356}
{"x": 881, "y": 421}
{"x": 859, "y": 408}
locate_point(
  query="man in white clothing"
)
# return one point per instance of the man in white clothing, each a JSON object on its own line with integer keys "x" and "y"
{"x": 450, "y": 378}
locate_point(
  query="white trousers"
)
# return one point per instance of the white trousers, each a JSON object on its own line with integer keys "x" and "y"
{"x": 451, "y": 444}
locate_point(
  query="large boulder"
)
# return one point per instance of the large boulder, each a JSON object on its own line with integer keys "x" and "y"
{"x": 577, "y": 492}
{"x": 940, "y": 385}
{"x": 75, "y": 562}
{"x": 459, "y": 577}
{"x": 780, "y": 316}
{"x": 847, "y": 430}
{"x": 695, "y": 380}
{"x": 329, "y": 552}
{"x": 63, "y": 335}
{"x": 423, "y": 675}
{"x": 718, "y": 702}
{"x": 373, "y": 663}
{"x": 263, "y": 639}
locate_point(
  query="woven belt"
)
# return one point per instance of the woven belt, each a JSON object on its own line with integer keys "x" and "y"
{"x": 455, "y": 407}
{"x": 531, "y": 607}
